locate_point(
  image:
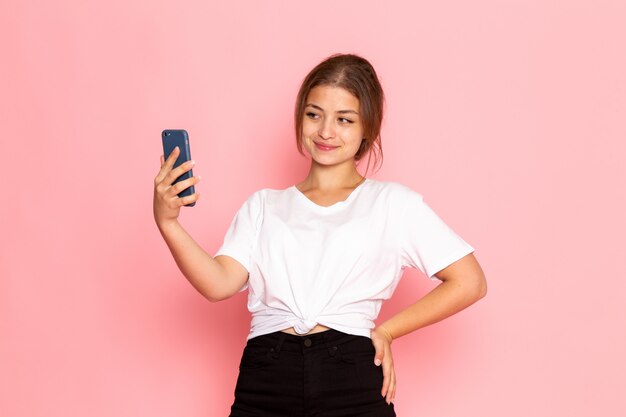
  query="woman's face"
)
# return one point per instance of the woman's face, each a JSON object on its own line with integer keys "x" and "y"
{"x": 332, "y": 130}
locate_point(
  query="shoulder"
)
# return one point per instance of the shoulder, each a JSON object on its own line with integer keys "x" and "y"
{"x": 266, "y": 196}
{"x": 271, "y": 193}
{"x": 392, "y": 192}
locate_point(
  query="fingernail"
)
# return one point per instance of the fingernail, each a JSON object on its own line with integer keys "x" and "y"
{"x": 377, "y": 362}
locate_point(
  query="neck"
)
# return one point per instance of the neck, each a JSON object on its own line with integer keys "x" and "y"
{"x": 332, "y": 177}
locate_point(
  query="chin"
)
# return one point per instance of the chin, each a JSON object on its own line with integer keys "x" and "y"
{"x": 332, "y": 161}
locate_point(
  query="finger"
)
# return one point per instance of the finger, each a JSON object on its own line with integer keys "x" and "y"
{"x": 387, "y": 370}
{"x": 161, "y": 174}
{"x": 178, "y": 171}
{"x": 166, "y": 165}
{"x": 183, "y": 185}
{"x": 380, "y": 352}
{"x": 183, "y": 201}
{"x": 392, "y": 388}
{"x": 171, "y": 159}
{"x": 388, "y": 387}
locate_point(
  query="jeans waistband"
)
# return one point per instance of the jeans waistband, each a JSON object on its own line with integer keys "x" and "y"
{"x": 327, "y": 339}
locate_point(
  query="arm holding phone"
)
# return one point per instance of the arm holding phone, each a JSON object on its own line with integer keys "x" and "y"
{"x": 215, "y": 278}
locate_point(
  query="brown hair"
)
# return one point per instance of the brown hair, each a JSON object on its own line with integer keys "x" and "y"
{"x": 356, "y": 75}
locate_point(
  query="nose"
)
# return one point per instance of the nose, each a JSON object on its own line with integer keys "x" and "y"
{"x": 327, "y": 130}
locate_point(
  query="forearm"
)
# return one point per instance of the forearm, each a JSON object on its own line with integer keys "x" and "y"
{"x": 443, "y": 301}
{"x": 204, "y": 272}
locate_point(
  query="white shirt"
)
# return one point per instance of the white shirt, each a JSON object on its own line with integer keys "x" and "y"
{"x": 334, "y": 266}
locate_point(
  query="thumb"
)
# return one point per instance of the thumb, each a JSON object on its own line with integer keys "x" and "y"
{"x": 380, "y": 351}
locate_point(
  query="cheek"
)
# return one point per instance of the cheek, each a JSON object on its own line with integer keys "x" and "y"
{"x": 356, "y": 137}
{"x": 306, "y": 134}
{"x": 308, "y": 128}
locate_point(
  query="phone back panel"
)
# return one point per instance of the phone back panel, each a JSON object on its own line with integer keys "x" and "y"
{"x": 171, "y": 139}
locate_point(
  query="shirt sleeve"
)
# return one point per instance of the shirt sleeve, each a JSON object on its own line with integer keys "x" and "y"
{"x": 240, "y": 237}
{"x": 427, "y": 242}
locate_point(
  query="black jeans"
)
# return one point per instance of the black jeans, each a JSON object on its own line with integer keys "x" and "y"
{"x": 327, "y": 374}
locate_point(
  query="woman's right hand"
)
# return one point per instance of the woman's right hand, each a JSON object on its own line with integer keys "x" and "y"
{"x": 166, "y": 203}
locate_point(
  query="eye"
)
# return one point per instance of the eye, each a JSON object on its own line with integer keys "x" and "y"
{"x": 344, "y": 120}
{"x": 311, "y": 115}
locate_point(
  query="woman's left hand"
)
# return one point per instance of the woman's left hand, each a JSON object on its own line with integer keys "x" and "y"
{"x": 381, "y": 339}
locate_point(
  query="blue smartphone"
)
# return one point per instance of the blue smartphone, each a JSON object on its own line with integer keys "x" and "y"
{"x": 171, "y": 139}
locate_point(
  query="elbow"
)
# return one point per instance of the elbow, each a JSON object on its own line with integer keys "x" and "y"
{"x": 481, "y": 287}
{"x": 218, "y": 294}
{"x": 211, "y": 293}
{"x": 214, "y": 297}
{"x": 475, "y": 288}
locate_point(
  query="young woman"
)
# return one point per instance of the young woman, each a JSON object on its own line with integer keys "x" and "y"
{"x": 318, "y": 259}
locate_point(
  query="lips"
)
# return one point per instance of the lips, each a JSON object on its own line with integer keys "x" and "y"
{"x": 323, "y": 147}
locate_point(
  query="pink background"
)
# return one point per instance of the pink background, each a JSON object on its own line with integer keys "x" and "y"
{"x": 508, "y": 116}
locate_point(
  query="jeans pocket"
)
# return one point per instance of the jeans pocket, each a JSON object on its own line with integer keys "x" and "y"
{"x": 360, "y": 359}
{"x": 256, "y": 355}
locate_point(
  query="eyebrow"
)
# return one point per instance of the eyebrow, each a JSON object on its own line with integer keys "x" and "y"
{"x": 339, "y": 111}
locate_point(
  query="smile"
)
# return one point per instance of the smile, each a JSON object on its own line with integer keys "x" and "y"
{"x": 324, "y": 147}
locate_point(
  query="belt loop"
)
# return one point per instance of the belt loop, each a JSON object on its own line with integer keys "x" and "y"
{"x": 276, "y": 350}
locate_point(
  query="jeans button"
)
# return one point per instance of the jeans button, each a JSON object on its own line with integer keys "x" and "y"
{"x": 307, "y": 342}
